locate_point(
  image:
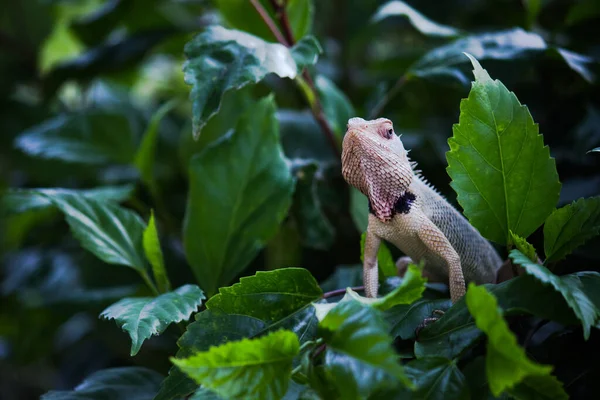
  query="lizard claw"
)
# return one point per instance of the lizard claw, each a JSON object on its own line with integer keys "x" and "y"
{"x": 437, "y": 315}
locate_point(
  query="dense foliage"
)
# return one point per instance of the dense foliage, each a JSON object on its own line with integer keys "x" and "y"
{"x": 175, "y": 224}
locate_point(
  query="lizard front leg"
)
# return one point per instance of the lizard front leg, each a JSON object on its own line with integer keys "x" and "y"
{"x": 437, "y": 243}
{"x": 370, "y": 271}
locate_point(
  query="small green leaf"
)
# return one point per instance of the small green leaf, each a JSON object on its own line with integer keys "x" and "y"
{"x": 123, "y": 383}
{"x": 506, "y": 363}
{"x": 594, "y": 150}
{"x": 569, "y": 287}
{"x": 524, "y": 247}
{"x": 220, "y": 59}
{"x": 21, "y": 200}
{"x": 502, "y": 172}
{"x": 336, "y": 105}
{"x": 249, "y": 368}
{"x": 410, "y": 290}
{"x": 209, "y": 329}
{"x": 578, "y": 63}
{"x": 418, "y": 20}
{"x": 359, "y": 209}
{"x": 154, "y": 255}
{"x": 204, "y": 394}
{"x": 306, "y": 52}
{"x": 87, "y": 137}
{"x": 404, "y": 319}
{"x": 112, "y": 233}
{"x": 357, "y": 340}
{"x": 571, "y": 226}
{"x": 385, "y": 262}
{"x": 235, "y": 207}
{"x": 145, "y": 156}
{"x": 437, "y": 379}
{"x": 269, "y": 296}
{"x": 143, "y": 317}
{"x": 343, "y": 276}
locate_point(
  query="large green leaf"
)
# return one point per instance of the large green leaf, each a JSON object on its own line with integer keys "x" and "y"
{"x": 269, "y": 296}
{"x": 570, "y": 287}
{"x": 209, "y": 329}
{"x": 240, "y": 14}
{"x": 405, "y": 318}
{"x": 112, "y": 233}
{"x": 336, "y": 105}
{"x": 220, "y": 59}
{"x": 234, "y": 207}
{"x": 437, "y": 379}
{"x": 21, "y": 200}
{"x": 359, "y": 356}
{"x": 124, "y": 383}
{"x": 418, "y": 20}
{"x": 154, "y": 255}
{"x": 87, "y": 137}
{"x": 570, "y": 227}
{"x": 506, "y": 363}
{"x": 143, "y": 317}
{"x": 502, "y": 172}
{"x": 250, "y": 368}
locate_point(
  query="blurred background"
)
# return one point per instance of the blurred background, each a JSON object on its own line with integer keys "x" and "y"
{"x": 80, "y": 82}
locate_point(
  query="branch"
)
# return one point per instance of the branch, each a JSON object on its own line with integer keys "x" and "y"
{"x": 387, "y": 97}
{"x": 264, "y": 14}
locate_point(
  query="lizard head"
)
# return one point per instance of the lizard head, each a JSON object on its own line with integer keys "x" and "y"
{"x": 375, "y": 162}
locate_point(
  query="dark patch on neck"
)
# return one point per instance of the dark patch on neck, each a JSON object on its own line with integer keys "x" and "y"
{"x": 405, "y": 202}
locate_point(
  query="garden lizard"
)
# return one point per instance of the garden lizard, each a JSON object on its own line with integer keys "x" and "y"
{"x": 405, "y": 210}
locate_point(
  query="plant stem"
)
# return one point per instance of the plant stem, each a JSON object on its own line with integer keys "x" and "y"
{"x": 338, "y": 292}
{"x": 287, "y": 39}
{"x": 149, "y": 282}
{"x": 388, "y": 96}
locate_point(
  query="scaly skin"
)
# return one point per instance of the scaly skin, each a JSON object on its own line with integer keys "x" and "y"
{"x": 407, "y": 212}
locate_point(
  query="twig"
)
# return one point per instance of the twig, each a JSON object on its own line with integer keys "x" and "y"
{"x": 388, "y": 96}
{"x": 287, "y": 39}
{"x": 337, "y": 292}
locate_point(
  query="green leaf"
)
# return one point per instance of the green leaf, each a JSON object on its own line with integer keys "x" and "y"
{"x": 123, "y": 383}
{"x": 506, "y": 363}
{"x": 569, "y": 287}
{"x": 220, "y": 59}
{"x": 306, "y": 52}
{"x": 502, "y": 172}
{"x": 359, "y": 209}
{"x": 235, "y": 207}
{"x": 404, "y": 319}
{"x": 269, "y": 295}
{"x": 343, "y": 276}
{"x": 578, "y": 63}
{"x": 315, "y": 229}
{"x": 240, "y": 14}
{"x": 249, "y": 368}
{"x": 359, "y": 356}
{"x": 571, "y": 226}
{"x": 112, "y": 233}
{"x": 418, "y": 20}
{"x": 437, "y": 379}
{"x": 154, "y": 255}
{"x": 145, "y": 156}
{"x": 21, "y": 200}
{"x": 87, "y": 137}
{"x": 204, "y": 394}
{"x": 594, "y": 150}
{"x": 524, "y": 247}
{"x": 209, "y": 329}
{"x": 385, "y": 262}
{"x": 336, "y": 105}
{"x": 143, "y": 317}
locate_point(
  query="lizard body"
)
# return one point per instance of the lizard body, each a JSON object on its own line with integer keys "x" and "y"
{"x": 407, "y": 212}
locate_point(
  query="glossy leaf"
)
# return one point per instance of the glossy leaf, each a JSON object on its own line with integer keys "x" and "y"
{"x": 359, "y": 356}
{"x": 306, "y": 52}
{"x": 385, "y": 262}
{"x": 359, "y": 209}
{"x": 234, "y": 208}
{"x": 143, "y": 317}
{"x": 240, "y": 14}
{"x": 502, "y": 172}
{"x": 524, "y": 247}
{"x": 112, "y": 233}
{"x": 506, "y": 363}
{"x": 154, "y": 255}
{"x": 21, "y": 200}
{"x": 269, "y": 296}
{"x": 437, "y": 379}
{"x": 336, "y": 106}
{"x": 87, "y": 137}
{"x": 578, "y": 63}
{"x": 418, "y": 20}
{"x": 220, "y": 59}
{"x": 209, "y": 329}
{"x": 249, "y": 368}
{"x": 571, "y": 226}
{"x": 569, "y": 287}
{"x": 123, "y": 383}
{"x": 343, "y": 277}
{"x": 404, "y": 319}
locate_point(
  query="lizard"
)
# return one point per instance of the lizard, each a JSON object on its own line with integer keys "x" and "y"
{"x": 408, "y": 212}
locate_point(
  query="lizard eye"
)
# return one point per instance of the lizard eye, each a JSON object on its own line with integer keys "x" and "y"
{"x": 389, "y": 133}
